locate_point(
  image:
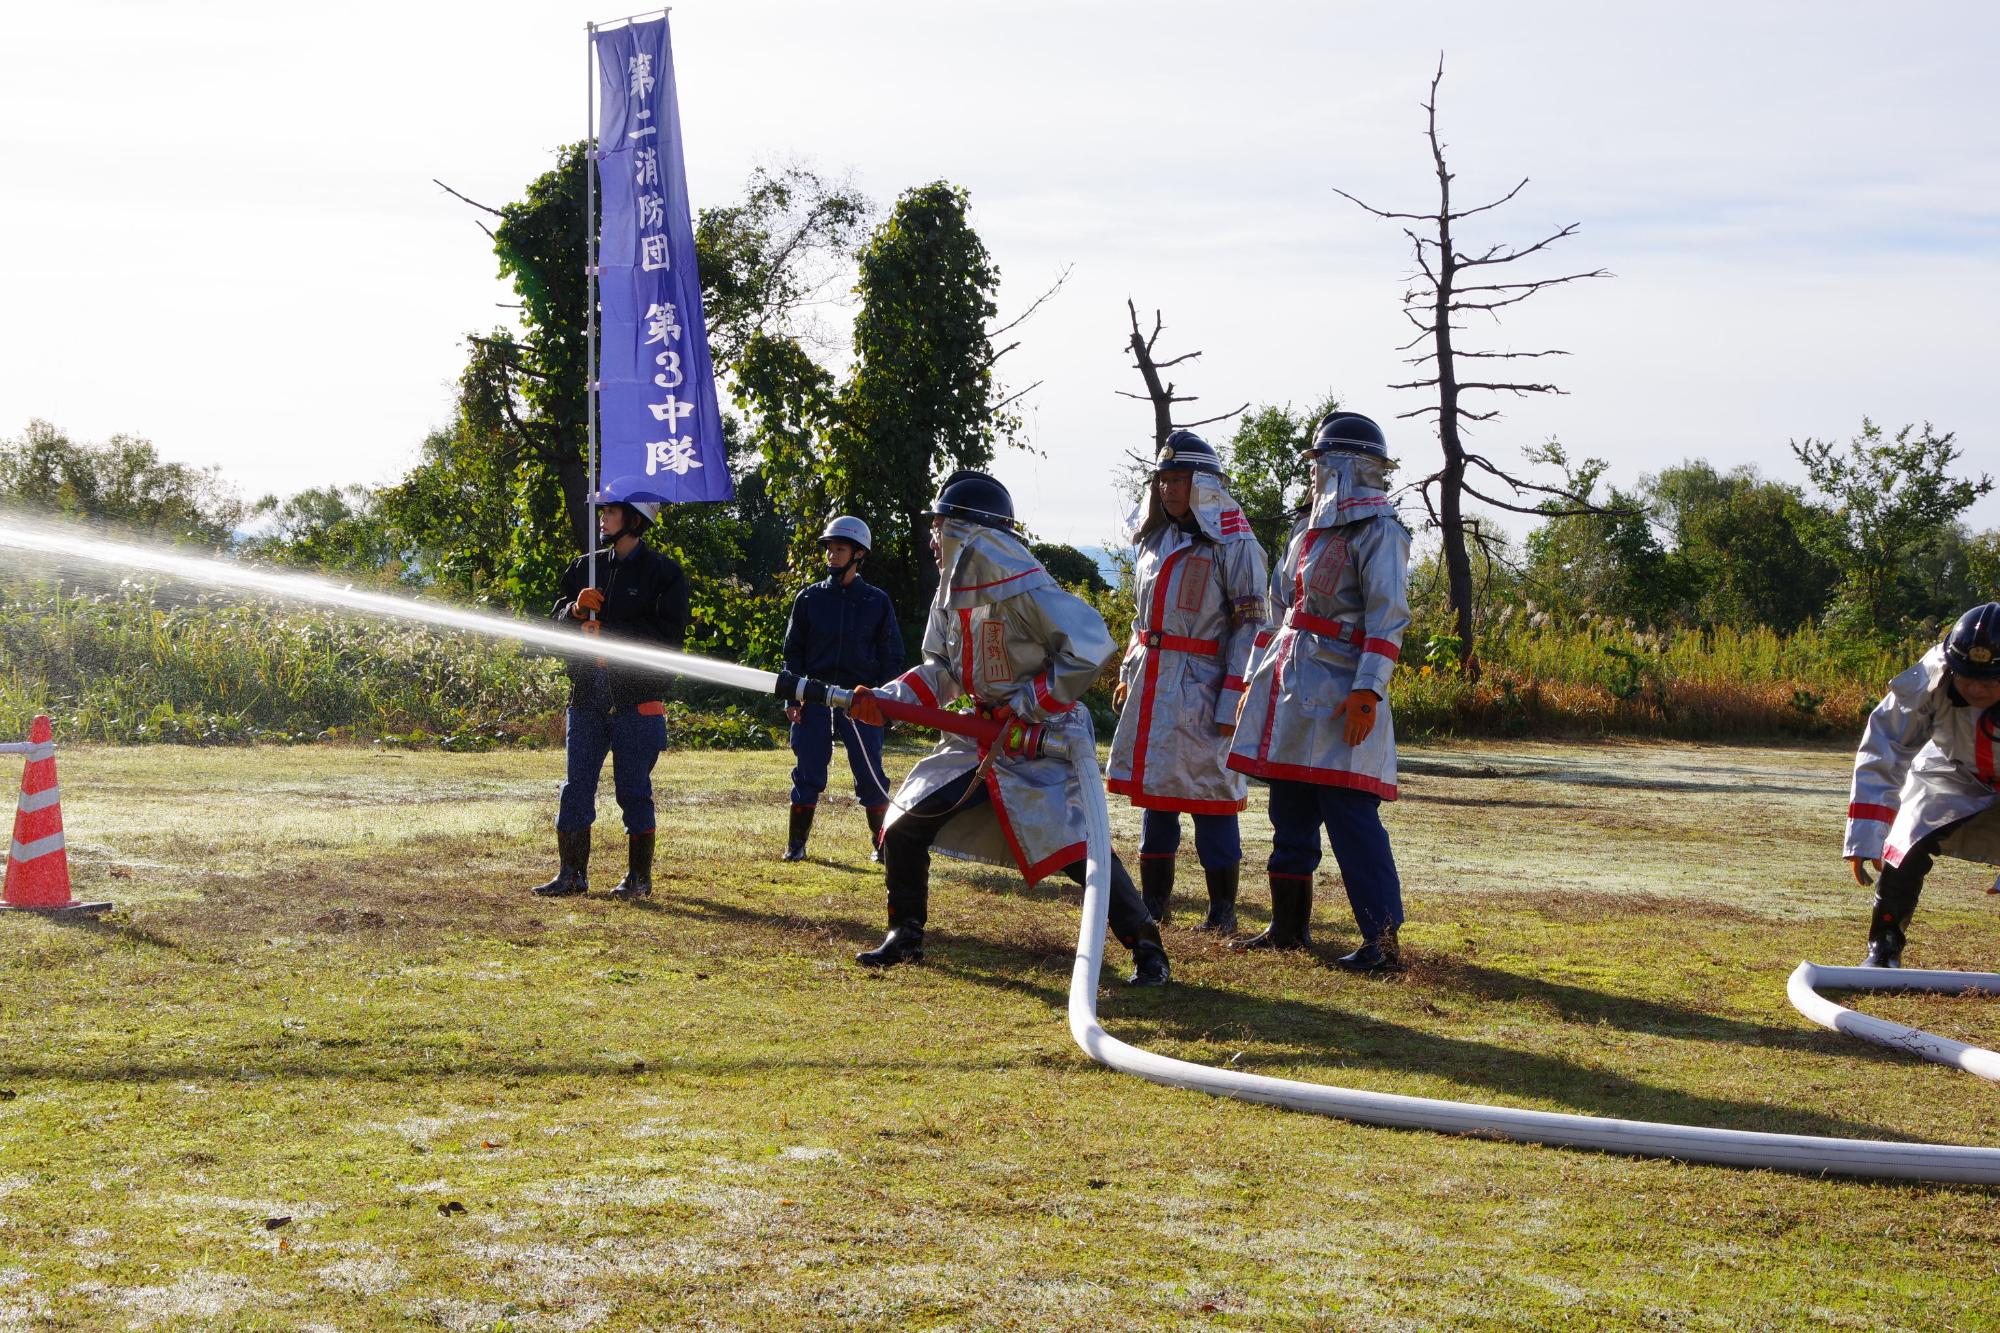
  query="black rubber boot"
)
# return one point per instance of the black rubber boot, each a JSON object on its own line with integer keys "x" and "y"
{"x": 638, "y": 881}
{"x": 875, "y": 814}
{"x": 1156, "y": 885}
{"x": 1149, "y": 958}
{"x": 903, "y": 944}
{"x": 908, "y": 875}
{"x": 1380, "y": 954}
{"x": 1896, "y": 892}
{"x": 1221, "y": 916}
{"x": 802, "y": 827}
{"x": 1291, "y": 915}
{"x": 574, "y": 849}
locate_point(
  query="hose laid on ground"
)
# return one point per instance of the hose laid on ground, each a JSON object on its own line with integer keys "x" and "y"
{"x": 1639, "y": 1138}
{"x": 1808, "y": 978}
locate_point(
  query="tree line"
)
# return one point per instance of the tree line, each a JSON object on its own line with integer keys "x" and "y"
{"x": 868, "y": 420}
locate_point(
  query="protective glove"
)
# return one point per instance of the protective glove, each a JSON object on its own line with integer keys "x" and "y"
{"x": 1118, "y": 693}
{"x": 1858, "y": 865}
{"x": 864, "y": 709}
{"x": 793, "y": 713}
{"x": 587, "y": 601}
{"x": 592, "y": 627}
{"x": 1359, "y": 708}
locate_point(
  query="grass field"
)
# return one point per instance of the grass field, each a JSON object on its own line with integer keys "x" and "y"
{"x": 329, "y": 1067}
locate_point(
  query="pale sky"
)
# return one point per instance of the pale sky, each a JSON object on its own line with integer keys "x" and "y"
{"x": 218, "y": 228}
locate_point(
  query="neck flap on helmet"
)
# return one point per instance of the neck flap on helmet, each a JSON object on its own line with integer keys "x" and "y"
{"x": 1215, "y": 512}
{"x": 982, "y": 565}
{"x": 1349, "y": 487}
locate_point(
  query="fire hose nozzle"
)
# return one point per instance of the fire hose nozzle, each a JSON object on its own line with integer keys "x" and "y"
{"x": 1018, "y": 739}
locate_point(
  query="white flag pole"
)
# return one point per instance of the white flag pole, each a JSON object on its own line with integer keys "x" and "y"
{"x": 590, "y": 287}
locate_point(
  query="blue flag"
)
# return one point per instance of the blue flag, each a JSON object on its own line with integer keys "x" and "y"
{"x": 660, "y": 426}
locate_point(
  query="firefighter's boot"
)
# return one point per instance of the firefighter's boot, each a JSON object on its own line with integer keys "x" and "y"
{"x": 573, "y": 847}
{"x": 802, "y": 827}
{"x": 1221, "y": 916}
{"x": 1156, "y": 885}
{"x": 875, "y": 816}
{"x": 638, "y": 881}
{"x": 1291, "y": 915}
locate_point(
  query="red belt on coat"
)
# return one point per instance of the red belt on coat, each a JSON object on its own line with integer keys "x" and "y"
{"x": 1332, "y": 629}
{"x": 1175, "y": 643}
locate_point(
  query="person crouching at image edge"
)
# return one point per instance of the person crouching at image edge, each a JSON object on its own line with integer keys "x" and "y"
{"x": 640, "y": 595}
{"x": 842, "y": 631}
{"x": 1199, "y": 583}
{"x": 1927, "y": 776}
{"x": 1315, "y": 720}
{"x": 1002, "y": 631}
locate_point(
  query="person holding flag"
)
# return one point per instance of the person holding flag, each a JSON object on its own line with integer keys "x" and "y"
{"x": 640, "y": 594}
{"x": 1199, "y": 582}
{"x": 1005, "y": 633}
{"x": 842, "y": 631}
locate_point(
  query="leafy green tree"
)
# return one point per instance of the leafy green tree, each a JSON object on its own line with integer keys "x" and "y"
{"x": 920, "y": 402}
{"x": 1269, "y": 470}
{"x": 328, "y": 527}
{"x": 1742, "y": 538}
{"x": 1605, "y": 560}
{"x": 770, "y": 260}
{"x": 497, "y": 505}
{"x": 122, "y": 483}
{"x": 1071, "y": 567}
{"x": 1886, "y": 499}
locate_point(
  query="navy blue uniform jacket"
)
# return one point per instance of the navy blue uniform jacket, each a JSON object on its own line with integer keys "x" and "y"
{"x": 645, "y": 599}
{"x": 844, "y": 634}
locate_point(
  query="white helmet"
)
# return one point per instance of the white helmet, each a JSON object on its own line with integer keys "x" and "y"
{"x": 625, "y": 491}
{"x": 848, "y": 528}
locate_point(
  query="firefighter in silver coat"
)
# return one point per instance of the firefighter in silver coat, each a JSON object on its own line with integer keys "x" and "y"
{"x": 1927, "y": 776}
{"x": 1315, "y": 721}
{"x": 1003, "y": 631}
{"x": 1199, "y": 582}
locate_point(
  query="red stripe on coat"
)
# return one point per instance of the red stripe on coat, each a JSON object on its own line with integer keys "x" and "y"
{"x": 1322, "y": 777}
{"x": 1187, "y": 806}
{"x": 915, "y": 681}
{"x": 1863, "y": 810}
{"x": 1150, "y": 681}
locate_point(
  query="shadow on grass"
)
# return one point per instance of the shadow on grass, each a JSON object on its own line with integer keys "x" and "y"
{"x": 711, "y": 912}
{"x": 1571, "y": 777}
{"x": 111, "y": 929}
{"x": 1311, "y": 1037}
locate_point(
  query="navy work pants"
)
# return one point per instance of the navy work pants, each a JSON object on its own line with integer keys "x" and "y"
{"x": 812, "y": 744}
{"x": 1218, "y": 839}
{"x": 634, "y": 741}
{"x": 1353, "y": 823}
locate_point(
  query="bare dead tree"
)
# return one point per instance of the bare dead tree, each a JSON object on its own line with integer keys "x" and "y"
{"x": 1158, "y": 392}
{"x": 1439, "y": 296}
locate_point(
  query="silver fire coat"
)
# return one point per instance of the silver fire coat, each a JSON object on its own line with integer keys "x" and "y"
{"x": 1200, "y": 607}
{"x": 1925, "y": 762}
{"x": 1342, "y": 592}
{"x": 1003, "y": 631}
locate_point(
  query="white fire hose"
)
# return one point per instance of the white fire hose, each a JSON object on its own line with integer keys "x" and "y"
{"x": 1807, "y": 978}
{"x": 1639, "y": 1138}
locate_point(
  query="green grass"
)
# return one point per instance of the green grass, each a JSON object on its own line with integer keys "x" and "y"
{"x": 326, "y": 996}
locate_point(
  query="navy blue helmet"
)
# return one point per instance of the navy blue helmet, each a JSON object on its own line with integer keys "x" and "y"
{"x": 976, "y": 498}
{"x": 1186, "y": 451}
{"x": 1349, "y": 433}
{"x": 1973, "y": 646}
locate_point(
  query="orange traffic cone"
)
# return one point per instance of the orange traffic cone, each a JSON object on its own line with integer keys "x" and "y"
{"x": 37, "y": 865}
